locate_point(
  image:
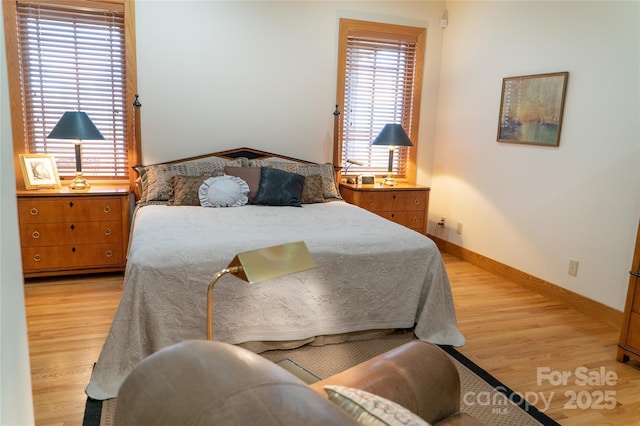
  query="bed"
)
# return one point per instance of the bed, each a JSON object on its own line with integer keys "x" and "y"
{"x": 372, "y": 275}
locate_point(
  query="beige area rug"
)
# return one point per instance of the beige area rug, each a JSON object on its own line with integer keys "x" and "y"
{"x": 324, "y": 361}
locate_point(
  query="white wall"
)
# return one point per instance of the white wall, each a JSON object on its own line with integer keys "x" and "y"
{"x": 16, "y": 406}
{"x": 215, "y": 75}
{"x": 534, "y": 208}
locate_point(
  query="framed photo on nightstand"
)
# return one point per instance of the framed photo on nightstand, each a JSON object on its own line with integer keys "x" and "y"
{"x": 39, "y": 171}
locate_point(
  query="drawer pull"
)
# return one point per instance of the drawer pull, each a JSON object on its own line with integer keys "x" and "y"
{"x": 35, "y": 235}
{"x": 107, "y": 232}
{"x": 393, "y": 215}
{"x": 394, "y": 196}
{"x": 71, "y": 204}
{"x": 415, "y": 219}
{"x": 37, "y": 258}
{"x": 370, "y": 202}
{"x": 416, "y": 201}
{"x": 107, "y": 209}
{"x": 33, "y": 211}
{"x": 73, "y": 249}
{"x": 109, "y": 253}
{"x": 72, "y": 227}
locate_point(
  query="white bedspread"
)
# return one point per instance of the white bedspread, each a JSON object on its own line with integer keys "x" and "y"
{"x": 371, "y": 274}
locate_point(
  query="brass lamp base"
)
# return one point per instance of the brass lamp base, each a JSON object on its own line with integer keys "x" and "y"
{"x": 389, "y": 180}
{"x": 79, "y": 183}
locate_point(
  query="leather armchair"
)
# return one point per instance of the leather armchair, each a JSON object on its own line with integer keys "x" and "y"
{"x": 201, "y": 382}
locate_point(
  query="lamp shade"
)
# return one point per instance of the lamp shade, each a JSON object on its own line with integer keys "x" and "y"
{"x": 260, "y": 265}
{"x": 392, "y": 134}
{"x": 75, "y": 125}
{"x": 272, "y": 262}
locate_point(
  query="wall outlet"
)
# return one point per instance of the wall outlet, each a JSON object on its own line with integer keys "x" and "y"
{"x": 459, "y": 229}
{"x": 573, "y": 267}
{"x": 441, "y": 222}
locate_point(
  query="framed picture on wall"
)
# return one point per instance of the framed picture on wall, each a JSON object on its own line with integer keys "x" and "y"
{"x": 531, "y": 109}
{"x": 39, "y": 171}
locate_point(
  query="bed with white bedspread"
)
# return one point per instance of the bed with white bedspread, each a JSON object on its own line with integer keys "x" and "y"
{"x": 371, "y": 274}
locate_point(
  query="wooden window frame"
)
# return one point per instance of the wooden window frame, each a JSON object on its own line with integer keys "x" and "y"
{"x": 382, "y": 31}
{"x": 20, "y": 143}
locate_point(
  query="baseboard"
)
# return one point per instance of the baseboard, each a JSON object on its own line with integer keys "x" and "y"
{"x": 580, "y": 303}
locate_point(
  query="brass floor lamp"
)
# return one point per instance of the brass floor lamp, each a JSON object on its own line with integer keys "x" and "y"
{"x": 260, "y": 265}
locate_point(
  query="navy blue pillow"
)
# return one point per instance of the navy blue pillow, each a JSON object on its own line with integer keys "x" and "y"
{"x": 279, "y": 188}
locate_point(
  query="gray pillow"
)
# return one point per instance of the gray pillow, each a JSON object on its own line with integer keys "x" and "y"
{"x": 305, "y": 169}
{"x": 279, "y": 188}
{"x": 155, "y": 180}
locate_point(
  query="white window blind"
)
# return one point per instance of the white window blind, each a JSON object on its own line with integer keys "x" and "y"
{"x": 73, "y": 59}
{"x": 379, "y": 87}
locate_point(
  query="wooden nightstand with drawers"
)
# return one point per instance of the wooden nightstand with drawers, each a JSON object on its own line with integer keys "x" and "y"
{"x": 406, "y": 204}
{"x": 64, "y": 232}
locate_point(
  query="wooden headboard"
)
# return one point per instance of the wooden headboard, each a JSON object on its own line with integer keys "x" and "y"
{"x": 250, "y": 153}
{"x": 231, "y": 154}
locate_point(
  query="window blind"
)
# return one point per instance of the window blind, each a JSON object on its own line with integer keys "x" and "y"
{"x": 73, "y": 59}
{"x": 379, "y": 87}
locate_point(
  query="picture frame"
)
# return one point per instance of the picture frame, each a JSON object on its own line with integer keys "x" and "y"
{"x": 531, "y": 109}
{"x": 39, "y": 171}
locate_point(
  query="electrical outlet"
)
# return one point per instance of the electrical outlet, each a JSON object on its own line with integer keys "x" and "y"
{"x": 573, "y": 267}
{"x": 459, "y": 230}
{"x": 441, "y": 222}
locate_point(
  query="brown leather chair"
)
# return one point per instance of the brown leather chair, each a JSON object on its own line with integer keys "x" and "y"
{"x": 204, "y": 383}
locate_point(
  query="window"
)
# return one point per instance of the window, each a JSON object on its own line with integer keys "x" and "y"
{"x": 379, "y": 82}
{"x": 71, "y": 56}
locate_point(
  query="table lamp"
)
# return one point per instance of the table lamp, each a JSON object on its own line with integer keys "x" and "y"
{"x": 77, "y": 126}
{"x": 260, "y": 265}
{"x": 392, "y": 135}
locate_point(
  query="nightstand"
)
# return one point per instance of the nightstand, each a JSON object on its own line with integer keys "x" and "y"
{"x": 65, "y": 233}
{"x": 405, "y": 203}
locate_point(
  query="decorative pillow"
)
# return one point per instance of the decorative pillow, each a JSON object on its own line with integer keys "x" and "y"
{"x": 371, "y": 410}
{"x": 305, "y": 169}
{"x": 223, "y": 191}
{"x": 155, "y": 179}
{"x": 279, "y": 188}
{"x": 185, "y": 190}
{"x": 328, "y": 174}
{"x": 312, "y": 191}
{"x": 251, "y": 175}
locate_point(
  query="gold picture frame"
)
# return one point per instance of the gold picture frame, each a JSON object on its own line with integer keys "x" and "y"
{"x": 39, "y": 171}
{"x": 531, "y": 109}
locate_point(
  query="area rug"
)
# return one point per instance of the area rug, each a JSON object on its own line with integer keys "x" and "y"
{"x": 313, "y": 362}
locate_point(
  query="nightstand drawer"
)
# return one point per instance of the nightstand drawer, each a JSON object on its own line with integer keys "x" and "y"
{"x": 386, "y": 201}
{"x": 410, "y": 219}
{"x": 71, "y": 209}
{"x": 47, "y": 234}
{"x": 71, "y": 256}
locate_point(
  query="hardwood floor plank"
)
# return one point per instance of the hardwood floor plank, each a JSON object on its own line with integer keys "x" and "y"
{"x": 67, "y": 322}
{"x": 510, "y": 331}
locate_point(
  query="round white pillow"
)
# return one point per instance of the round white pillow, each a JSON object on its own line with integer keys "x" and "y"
{"x": 223, "y": 191}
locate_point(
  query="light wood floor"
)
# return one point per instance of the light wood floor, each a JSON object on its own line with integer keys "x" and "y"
{"x": 510, "y": 332}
